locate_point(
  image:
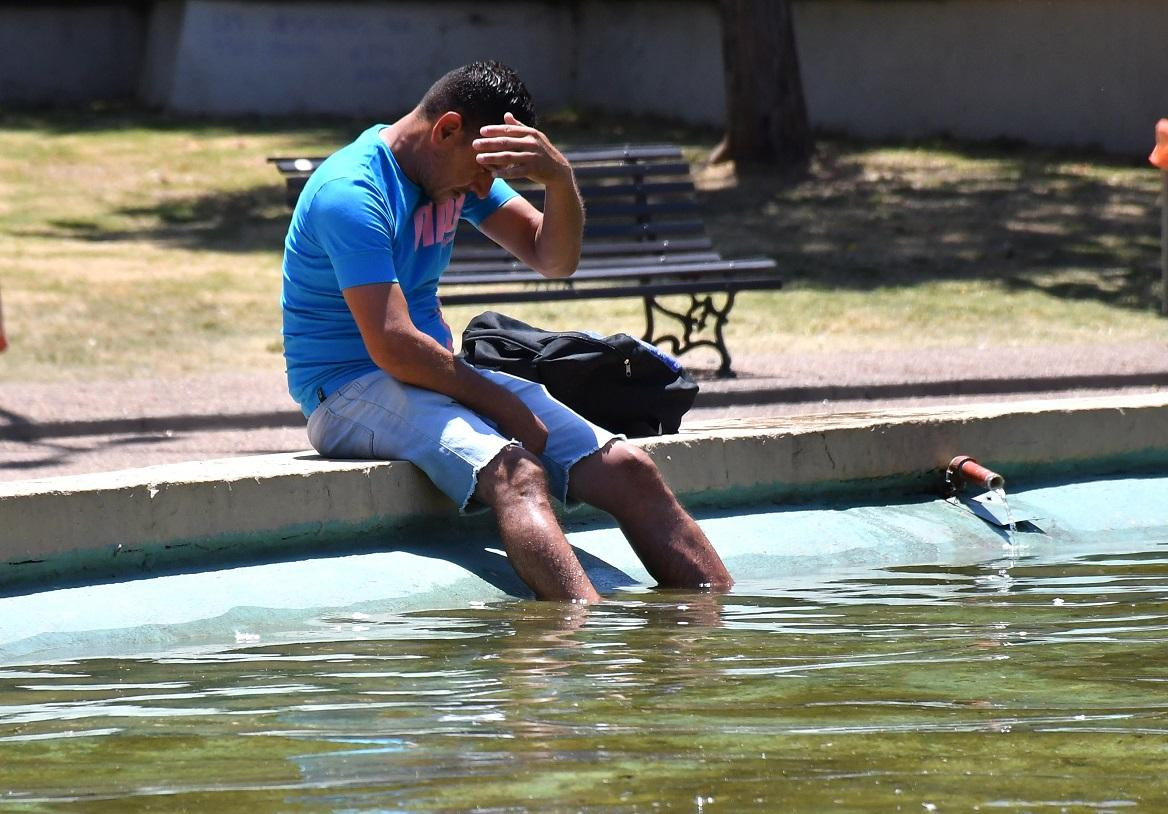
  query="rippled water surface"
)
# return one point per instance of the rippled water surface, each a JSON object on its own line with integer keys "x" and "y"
{"x": 1022, "y": 683}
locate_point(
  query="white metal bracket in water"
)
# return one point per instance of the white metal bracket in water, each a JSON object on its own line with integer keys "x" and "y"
{"x": 992, "y": 508}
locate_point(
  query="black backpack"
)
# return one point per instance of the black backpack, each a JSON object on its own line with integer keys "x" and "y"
{"x": 619, "y": 382}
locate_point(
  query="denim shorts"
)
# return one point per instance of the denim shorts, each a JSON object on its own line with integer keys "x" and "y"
{"x": 378, "y": 417}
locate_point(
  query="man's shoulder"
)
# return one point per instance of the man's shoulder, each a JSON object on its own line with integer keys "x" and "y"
{"x": 354, "y": 160}
{"x": 353, "y": 173}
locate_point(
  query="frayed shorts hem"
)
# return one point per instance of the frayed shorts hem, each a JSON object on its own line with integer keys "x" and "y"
{"x": 377, "y": 417}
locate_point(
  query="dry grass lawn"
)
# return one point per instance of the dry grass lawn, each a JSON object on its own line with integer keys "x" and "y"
{"x": 137, "y": 244}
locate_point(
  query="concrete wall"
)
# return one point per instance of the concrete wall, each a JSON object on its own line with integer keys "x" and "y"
{"x": 1071, "y": 72}
{"x": 1075, "y": 72}
{"x": 651, "y": 56}
{"x": 63, "y": 53}
{"x": 233, "y": 57}
{"x": 226, "y": 56}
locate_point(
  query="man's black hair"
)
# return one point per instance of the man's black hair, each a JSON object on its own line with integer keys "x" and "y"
{"x": 481, "y": 93}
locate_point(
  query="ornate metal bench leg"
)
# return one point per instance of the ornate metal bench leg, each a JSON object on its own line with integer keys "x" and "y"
{"x": 720, "y": 320}
{"x": 694, "y": 319}
{"x": 650, "y": 303}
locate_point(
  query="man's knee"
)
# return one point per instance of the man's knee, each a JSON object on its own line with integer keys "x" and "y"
{"x": 622, "y": 480}
{"x": 631, "y": 467}
{"x": 514, "y": 473}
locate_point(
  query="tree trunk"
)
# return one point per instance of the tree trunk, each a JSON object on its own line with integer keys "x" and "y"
{"x": 766, "y": 116}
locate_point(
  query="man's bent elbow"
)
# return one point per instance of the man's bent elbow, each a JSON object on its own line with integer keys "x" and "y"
{"x": 561, "y": 264}
{"x": 558, "y": 272}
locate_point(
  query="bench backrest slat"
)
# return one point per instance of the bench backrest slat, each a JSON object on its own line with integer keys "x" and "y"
{"x": 603, "y": 192}
{"x": 600, "y": 248}
{"x": 627, "y": 152}
{"x": 639, "y": 200}
{"x": 653, "y": 230}
{"x": 596, "y": 163}
{"x": 640, "y": 211}
{"x": 594, "y": 171}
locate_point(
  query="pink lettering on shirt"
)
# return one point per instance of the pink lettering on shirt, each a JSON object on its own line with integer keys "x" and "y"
{"x": 437, "y": 223}
{"x": 424, "y": 226}
{"x": 448, "y": 214}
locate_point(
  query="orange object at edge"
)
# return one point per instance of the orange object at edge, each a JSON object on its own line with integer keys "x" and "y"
{"x": 1159, "y": 156}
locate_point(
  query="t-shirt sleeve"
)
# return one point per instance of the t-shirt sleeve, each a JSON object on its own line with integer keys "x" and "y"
{"x": 477, "y": 209}
{"x": 355, "y": 230}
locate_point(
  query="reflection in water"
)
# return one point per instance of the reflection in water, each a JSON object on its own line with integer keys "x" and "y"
{"x": 1018, "y": 684}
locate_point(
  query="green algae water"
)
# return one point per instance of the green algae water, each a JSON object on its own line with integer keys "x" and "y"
{"x": 1025, "y": 682}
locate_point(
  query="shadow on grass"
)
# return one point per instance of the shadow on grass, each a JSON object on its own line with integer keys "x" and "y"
{"x": 248, "y": 220}
{"x": 1071, "y": 226}
{"x": 256, "y": 218}
{"x": 239, "y": 220}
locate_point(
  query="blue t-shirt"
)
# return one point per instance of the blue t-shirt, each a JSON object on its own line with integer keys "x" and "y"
{"x": 360, "y": 220}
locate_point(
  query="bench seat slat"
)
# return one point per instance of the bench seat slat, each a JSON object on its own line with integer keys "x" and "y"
{"x": 656, "y": 289}
{"x": 701, "y": 268}
{"x": 625, "y": 261}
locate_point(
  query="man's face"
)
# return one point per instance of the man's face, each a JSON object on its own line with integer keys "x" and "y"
{"x": 456, "y": 171}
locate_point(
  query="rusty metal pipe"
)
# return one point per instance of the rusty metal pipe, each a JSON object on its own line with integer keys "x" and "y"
{"x": 964, "y": 470}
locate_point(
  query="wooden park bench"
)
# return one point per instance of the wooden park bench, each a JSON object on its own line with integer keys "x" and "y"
{"x": 642, "y": 238}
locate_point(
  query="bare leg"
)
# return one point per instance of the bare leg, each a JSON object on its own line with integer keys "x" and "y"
{"x": 514, "y": 484}
{"x": 622, "y": 480}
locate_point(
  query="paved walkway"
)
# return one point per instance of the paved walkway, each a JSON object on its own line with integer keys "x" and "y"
{"x": 49, "y": 429}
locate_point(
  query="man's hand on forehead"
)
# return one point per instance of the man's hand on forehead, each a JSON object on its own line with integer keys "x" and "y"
{"x": 514, "y": 150}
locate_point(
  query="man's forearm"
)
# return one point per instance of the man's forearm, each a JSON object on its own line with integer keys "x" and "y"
{"x": 414, "y": 358}
{"x": 396, "y": 346}
{"x": 559, "y": 237}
